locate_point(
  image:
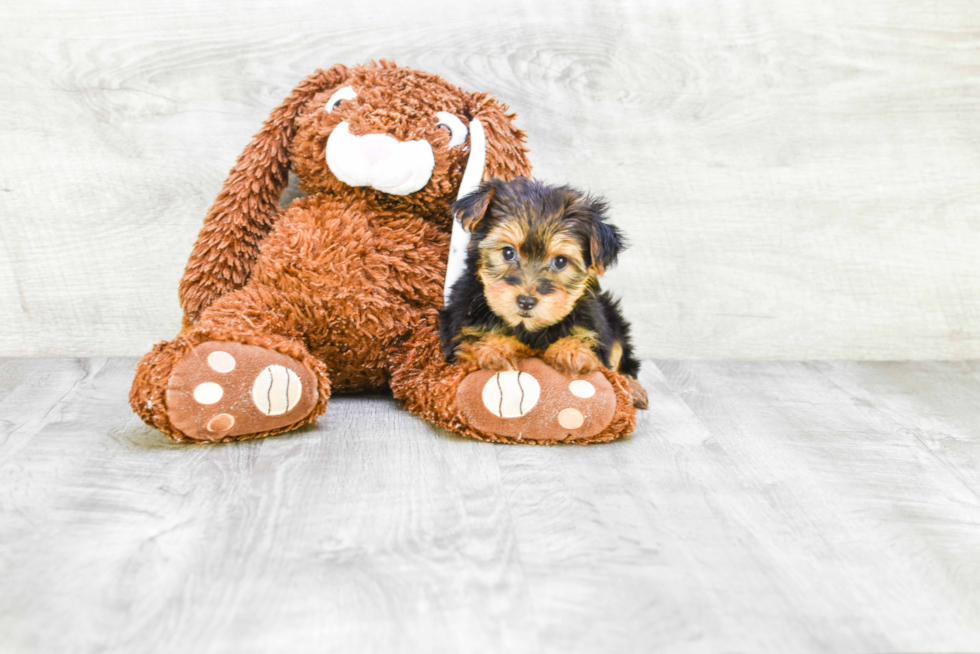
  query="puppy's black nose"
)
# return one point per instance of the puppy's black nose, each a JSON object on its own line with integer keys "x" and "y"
{"x": 526, "y": 302}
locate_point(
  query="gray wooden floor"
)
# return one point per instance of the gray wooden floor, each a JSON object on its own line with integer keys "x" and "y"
{"x": 759, "y": 507}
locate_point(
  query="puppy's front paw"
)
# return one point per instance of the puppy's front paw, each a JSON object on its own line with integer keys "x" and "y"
{"x": 492, "y": 359}
{"x": 493, "y": 352}
{"x": 572, "y": 355}
{"x": 639, "y": 394}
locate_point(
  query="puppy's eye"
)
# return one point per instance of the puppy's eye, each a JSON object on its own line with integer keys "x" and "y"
{"x": 457, "y": 130}
{"x": 508, "y": 253}
{"x": 341, "y": 94}
{"x": 559, "y": 262}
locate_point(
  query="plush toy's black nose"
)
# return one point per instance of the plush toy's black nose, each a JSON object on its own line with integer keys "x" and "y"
{"x": 526, "y": 302}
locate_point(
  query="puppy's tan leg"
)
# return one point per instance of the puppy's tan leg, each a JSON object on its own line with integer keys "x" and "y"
{"x": 493, "y": 352}
{"x": 575, "y": 354}
{"x": 615, "y": 356}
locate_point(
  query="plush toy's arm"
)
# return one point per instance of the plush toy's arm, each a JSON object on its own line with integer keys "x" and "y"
{"x": 247, "y": 207}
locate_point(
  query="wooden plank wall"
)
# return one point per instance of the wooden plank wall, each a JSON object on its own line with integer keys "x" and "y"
{"x": 799, "y": 179}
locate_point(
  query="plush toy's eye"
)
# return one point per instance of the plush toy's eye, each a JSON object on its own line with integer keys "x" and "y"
{"x": 341, "y": 94}
{"x": 508, "y": 253}
{"x": 559, "y": 262}
{"x": 457, "y": 130}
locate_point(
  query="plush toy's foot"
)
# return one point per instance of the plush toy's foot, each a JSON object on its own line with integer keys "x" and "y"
{"x": 537, "y": 403}
{"x": 225, "y": 389}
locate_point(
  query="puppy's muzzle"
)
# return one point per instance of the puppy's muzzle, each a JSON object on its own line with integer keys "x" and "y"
{"x": 380, "y": 161}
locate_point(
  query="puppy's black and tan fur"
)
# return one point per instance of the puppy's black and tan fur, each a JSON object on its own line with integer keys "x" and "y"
{"x": 531, "y": 285}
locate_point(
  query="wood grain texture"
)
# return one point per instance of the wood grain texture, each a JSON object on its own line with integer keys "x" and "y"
{"x": 758, "y": 507}
{"x": 798, "y": 179}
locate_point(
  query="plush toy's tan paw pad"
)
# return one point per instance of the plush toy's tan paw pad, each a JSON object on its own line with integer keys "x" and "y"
{"x": 223, "y": 389}
{"x": 537, "y": 403}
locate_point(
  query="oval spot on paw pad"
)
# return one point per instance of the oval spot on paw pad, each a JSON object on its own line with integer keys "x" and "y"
{"x": 208, "y": 393}
{"x": 570, "y": 418}
{"x": 221, "y": 361}
{"x": 276, "y": 390}
{"x": 581, "y": 388}
{"x": 511, "y": 394}
{"x": 221, "y": 422}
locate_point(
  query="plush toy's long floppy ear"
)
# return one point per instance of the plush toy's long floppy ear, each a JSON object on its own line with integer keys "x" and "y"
{"x": 497, "y": 151}
{"x": 506, "y": 152}
{"x": 247, "y": 207}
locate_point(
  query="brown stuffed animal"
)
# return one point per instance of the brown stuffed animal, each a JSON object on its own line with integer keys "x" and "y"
{"x": 340, "y": 291}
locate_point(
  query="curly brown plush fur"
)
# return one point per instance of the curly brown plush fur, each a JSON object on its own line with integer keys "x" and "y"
{"x": 347, "y": 282}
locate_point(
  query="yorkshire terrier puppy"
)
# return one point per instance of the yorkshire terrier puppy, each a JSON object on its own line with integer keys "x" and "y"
{"x": 531, "y": 285}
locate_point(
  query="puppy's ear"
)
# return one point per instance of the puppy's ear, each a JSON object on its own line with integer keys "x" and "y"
{"x": 471, "y": 209}
{"x": 605, "y": 240}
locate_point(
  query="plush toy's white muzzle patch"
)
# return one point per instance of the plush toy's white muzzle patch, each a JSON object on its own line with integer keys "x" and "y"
{"x": 380, "y": 161}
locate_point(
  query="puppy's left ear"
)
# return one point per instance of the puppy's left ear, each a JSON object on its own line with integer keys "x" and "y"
{"x": 605, "y": 240}
{"x": 471, "y": 209}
